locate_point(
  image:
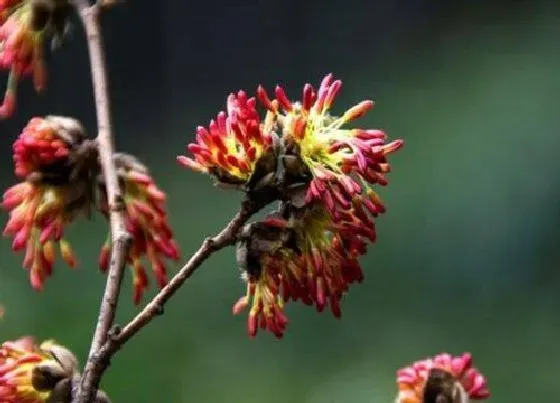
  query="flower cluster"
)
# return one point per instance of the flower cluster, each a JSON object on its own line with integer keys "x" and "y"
{"x": 23, "y": 27}
{"x": 342, "y": 162}
{"x": 31, "y": 373}
{"x": 442, "y": 378}
{"x": 322, "y": 172}
{"x": 61, "y": 180}
{"x": 44, "y": 373}
{"x": 236, "y": 148}
{"x": 146, "y": 221}
{"x": 298, "y": 255}
{"x": 50, "y": 157}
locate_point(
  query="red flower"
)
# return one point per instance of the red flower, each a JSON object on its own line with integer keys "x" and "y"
{"x": 37, "y": 220}
{"x": 312, "y": 259}
{"x": 50, "y": 154}
{"x": 466, "y": 381}
{"x": 29, "y": 373}
{"x": 24, "y": 24}
{"x": 146, "y": 221}
{"x": 343, "y": 162}
{"x": 40, "y": 145}
{"x": 233, "y": 145}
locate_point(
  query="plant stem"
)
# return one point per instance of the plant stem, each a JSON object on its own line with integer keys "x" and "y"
{"x": 106, "y": 343}
{"x": 89, "y": 15}
{"x": 226, "y": 237}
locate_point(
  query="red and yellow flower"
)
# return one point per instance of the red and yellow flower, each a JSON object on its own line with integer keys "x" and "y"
{"x": 21, "y": 50}
{"x": 28, "y": 372}
{"x": 468, "y": 382}
{"x": 41, "y": 208}
{"x": 315, "y": 264}
{"x": 24, "y": 25}
{"x": 233, "y": 144}
{"x": 146, "y": 221}
{"x": 311, "y": 161}
{"x": 39, "y": 146}
{"x": 38, "y": 215}
{"x": 343, "y": 162}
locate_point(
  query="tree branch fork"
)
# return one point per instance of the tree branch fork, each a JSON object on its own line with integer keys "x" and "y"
{"x": 109, "y": 338}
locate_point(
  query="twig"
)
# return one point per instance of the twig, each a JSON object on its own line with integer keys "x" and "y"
{"x": 105, "y": 344}
{"x": 226, "y": 237}
{"x": 89, "y": 15}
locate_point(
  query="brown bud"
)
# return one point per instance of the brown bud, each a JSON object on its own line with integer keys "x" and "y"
{"x": 257, "y": 239}
{"x": 62, "y": 392}
{"x": 46, "y": 375}
{"x": 64, "y": 357}
{"x": 41, "y": 14}
{"x": 441, "y": 387}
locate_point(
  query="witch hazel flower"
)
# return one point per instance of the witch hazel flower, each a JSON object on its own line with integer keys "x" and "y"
{"x": 52, "y": 157}
{"x": 31, "y": 373}
{"x": 443, "y": 378}
{"x": 146, "y": 221}
{"x": 342, "y": 163}
{"x": 303, "y": 257}
{"x": 24, "y": 25}
{"x": 236, "y": 148}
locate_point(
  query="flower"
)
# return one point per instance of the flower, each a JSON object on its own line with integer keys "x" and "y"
{"x": 236, "y": 148}
{"x": 38, "y": 215}
{"x": 323, "y": 174}
{"x": 47, "y": 143}
{"x": 305, "y": 257}
{"x": 55, "y": 161}
{"x": 146, "y": 221}
{"x": 342, "y": 162}
{"x": 452, "y": 377}
{"x": 30, "y": 373}
{"x": 24, "y": 25}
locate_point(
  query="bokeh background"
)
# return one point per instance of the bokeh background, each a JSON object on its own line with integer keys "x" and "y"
{"x": 468, "y": 254}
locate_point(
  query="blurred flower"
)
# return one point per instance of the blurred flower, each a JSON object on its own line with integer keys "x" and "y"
{"x": 305, "y": 257}
{"x": 146, "y": 221}
{"x": 452, "y": 378}
{"x": 24, "y": 25}
{"x": 38, "y": 215}
{"x": 31, "y": 373}
{"x": 56, "y": 162}
{"x": 341, "y": 162}
{"x": 237, "y": 149}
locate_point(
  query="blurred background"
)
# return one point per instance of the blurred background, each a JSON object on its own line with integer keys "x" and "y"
{"x": 467, "y": 257}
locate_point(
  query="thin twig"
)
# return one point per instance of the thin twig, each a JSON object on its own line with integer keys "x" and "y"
{"x": 105, "y": 345}
{"x": 90, "y": 18}
{"x": 225, "y": 237}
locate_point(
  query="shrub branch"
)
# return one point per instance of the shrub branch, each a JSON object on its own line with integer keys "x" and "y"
{"x": 108, "y": 339}
{"x": 89, "y": 15}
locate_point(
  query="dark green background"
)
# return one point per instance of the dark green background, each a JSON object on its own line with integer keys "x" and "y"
{"x": 467, "y": 253}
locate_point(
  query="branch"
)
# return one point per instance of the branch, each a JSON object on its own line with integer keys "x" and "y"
{"x": 89, "y": 15}
{"x": 226, "y": 237}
